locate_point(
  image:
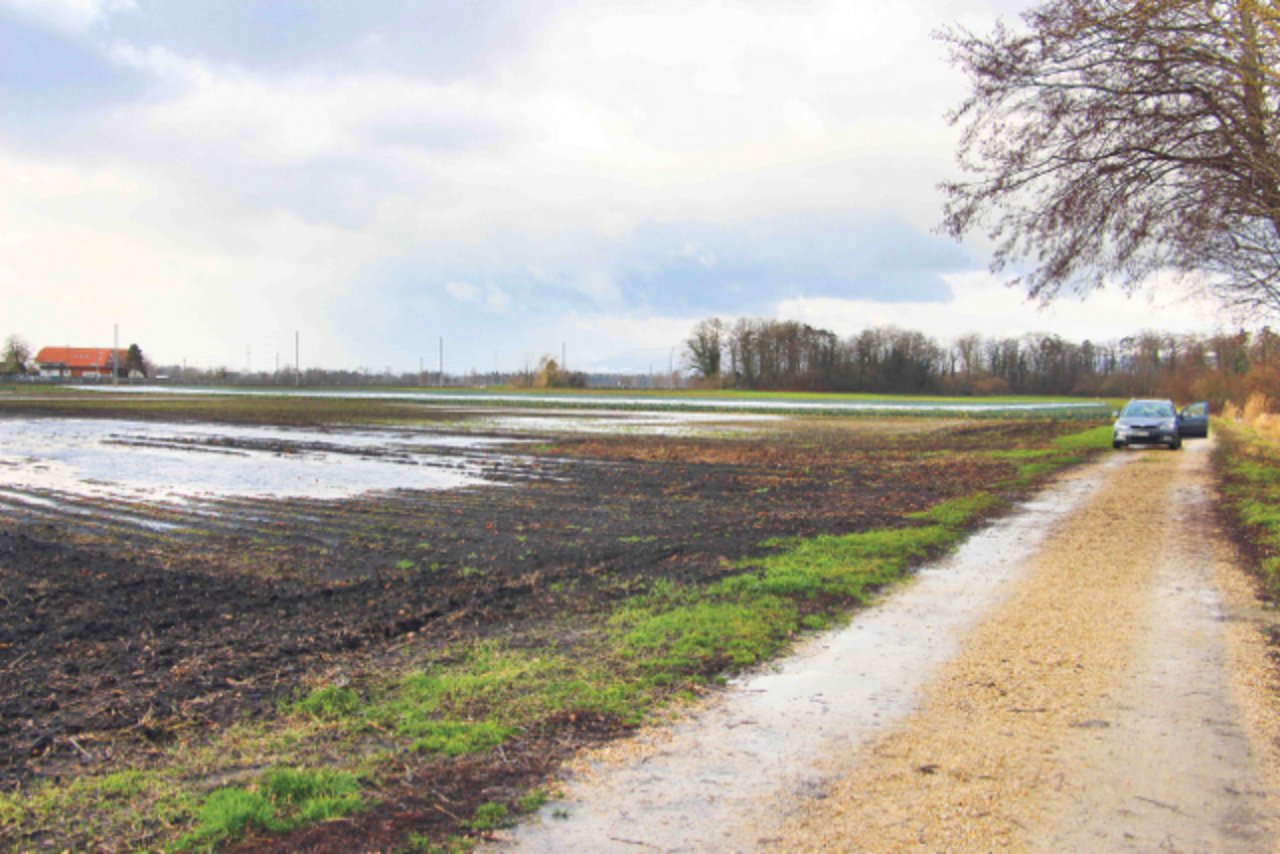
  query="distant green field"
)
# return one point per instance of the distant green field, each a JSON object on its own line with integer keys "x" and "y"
{"x": 156, "y": 398}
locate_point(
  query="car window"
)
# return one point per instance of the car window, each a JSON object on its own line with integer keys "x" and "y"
{"x": 1197, "y": 409}
{"x": 1148, "y": 409}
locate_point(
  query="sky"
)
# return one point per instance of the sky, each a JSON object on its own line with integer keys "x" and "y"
{"x": 518, "y": 179}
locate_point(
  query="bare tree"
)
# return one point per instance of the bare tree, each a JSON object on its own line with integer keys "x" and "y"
{"x": 704, "y": 349}
{"x": 968, "y": 350}
{"x": 1123, "y": 138}
{"x": 13, "y": 360}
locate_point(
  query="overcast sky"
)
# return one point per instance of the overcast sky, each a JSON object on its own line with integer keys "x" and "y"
{"x": 215, "y": 175}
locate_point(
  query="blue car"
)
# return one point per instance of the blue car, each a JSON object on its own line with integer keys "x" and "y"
{"x": 1147, "y": 422}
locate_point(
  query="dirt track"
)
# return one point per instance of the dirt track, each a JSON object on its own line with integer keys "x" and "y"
{"x": 1098, "y": 708}
{"x": 1117, "y": 697}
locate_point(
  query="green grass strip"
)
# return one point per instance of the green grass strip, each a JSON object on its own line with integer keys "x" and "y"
{"x": 1248, "y": 466}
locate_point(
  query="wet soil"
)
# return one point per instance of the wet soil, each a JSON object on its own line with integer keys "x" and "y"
{"x": 118, "y": 638}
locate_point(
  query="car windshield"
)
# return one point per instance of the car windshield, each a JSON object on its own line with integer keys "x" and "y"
{"x": 1148, "y": 409}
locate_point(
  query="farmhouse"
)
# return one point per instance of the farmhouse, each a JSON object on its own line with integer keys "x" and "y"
{"x": 76, "y": 362}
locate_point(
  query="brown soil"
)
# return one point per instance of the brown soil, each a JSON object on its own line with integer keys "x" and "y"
{"x": 1098, "y": 708}
{"x": 117, "y": 642}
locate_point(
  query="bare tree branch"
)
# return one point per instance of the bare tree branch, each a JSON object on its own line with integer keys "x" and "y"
{"x": 1119, "y": 138}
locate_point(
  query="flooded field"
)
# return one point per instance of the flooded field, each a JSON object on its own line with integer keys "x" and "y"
{"x": 179, "y": 463}
{"x": 180, "y": 581}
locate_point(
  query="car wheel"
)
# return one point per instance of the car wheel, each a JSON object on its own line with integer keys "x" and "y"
{"x": 1175, "y": 445}
{"x": 1117, "y": 445}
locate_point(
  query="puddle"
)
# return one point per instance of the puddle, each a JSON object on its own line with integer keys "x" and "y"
{"x": 144, "y": 461}
{"x": 61, "y": 507}
{"x": 696, "y": 784}
{"x": 178, "y": 463}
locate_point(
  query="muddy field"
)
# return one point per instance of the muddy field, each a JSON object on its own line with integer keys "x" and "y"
{"x": 132, "y": 627}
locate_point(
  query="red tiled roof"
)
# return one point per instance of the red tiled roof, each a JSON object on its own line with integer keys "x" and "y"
{"x": 80, "y": 357}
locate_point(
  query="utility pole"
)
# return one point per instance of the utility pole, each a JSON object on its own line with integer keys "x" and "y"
{"x": 441, "y": 361}
{"x": 297, "y": 359}
{"x": 275, "y": 377}
{"x": 115, "y": 358}
{"x": 564, "y": 360}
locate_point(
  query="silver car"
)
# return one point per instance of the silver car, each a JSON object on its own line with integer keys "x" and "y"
{"x": 1147, "y": 422}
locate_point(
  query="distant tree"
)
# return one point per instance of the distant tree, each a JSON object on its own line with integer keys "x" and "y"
{"x": 16, "y": 353}
{"x": 969, "y": 354}
{"x": 1124, "y": 138}
{"x": 135, "y": 361}
{"x": 551, "y": 375}
{"x": 703, "y": 350}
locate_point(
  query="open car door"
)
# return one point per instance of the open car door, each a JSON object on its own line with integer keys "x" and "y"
{"x": 1193, "y": 420}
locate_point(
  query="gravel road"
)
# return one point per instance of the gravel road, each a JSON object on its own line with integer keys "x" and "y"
{"x": 1086, "y": 675}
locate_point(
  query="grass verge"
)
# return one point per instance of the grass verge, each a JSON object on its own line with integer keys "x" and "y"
{"x": 1248, "y": 466}
{"x": 1032, "y": 464}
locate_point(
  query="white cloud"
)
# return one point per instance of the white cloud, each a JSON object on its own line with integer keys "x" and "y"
{"x": 491, "y": 297}
{"x": 463, "y": 291}
{"x": 497, "y": 300}
{"x": 82, "y": 251}
{"x": 69, "y": 15}
{"x": 597, "y": 342}
{"x": 718, "y": 110}
{"x": 164, "y": 64}
{"x": 983, "y": 304}
{"x": 593, "y": 131}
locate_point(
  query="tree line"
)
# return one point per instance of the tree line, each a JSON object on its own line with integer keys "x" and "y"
{"x": 764, "y": 354}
